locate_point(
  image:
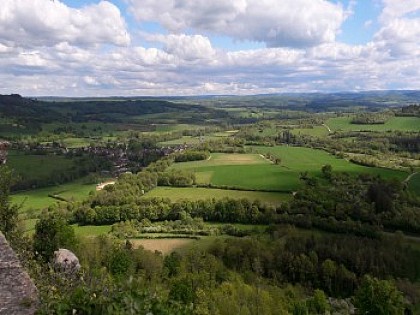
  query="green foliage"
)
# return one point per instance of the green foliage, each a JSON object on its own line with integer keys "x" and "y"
{"x": 51, "y": 233}
{"x": 318, "y": 304}
{"x": 8, "y": 212}
{"x": 379, "y": 297}
{"x": 120, "y": 262}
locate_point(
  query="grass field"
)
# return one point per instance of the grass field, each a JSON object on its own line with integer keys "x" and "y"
{"x": 319, "y": 131}
{"x": 163, "y": 245}
{"x": 91, "y": 230}
{"x": 176, "y": 194}
{"x": 414, "y": 184}
{"x": 76, "y": 142}
{"x": 253, "y": 172}
{"x": 38, "y": 199}
{"x": 188, "y": 140}
{"x": 176, "y": 127}
{"x": 395, "y": 123}
{"x": 37, "y": 166}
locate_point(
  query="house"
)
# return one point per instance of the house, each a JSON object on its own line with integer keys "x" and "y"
{"x": 18, "y": 294}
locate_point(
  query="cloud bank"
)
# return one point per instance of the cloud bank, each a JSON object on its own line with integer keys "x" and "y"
{"x": 49, "y": 48}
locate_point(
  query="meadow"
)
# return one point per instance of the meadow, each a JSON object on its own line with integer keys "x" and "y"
{"x": 414, "y": 184}
{"x": 163, "y": 245}
{"x": 394, "y": 123}
{"x": 254, "y": 172}
{"x": 37, "y": 166}
{"x": 39, "y": 199}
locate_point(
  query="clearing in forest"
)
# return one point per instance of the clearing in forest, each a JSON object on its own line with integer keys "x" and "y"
{"x": 163, "y": 245}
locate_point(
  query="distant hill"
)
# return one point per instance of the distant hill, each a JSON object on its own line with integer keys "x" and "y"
{"x": 30, "y": 111}
{"x": 26, "y": 111}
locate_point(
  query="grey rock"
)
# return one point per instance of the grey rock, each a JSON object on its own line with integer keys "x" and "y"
{"x": 66, "y": 261}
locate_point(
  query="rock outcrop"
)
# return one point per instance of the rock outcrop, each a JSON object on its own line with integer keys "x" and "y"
{"x": 18, "y": 294}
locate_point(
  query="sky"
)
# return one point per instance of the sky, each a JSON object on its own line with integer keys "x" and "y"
{"x": 207, "y": 47}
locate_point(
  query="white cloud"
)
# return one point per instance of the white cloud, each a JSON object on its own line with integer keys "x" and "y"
{"x": 292, "y": 23}
{"x": 399, "y": 33}
{"x": 47, "y": 23}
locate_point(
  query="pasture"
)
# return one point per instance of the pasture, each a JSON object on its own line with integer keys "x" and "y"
{"x": 319, "y": 131}
{"x": 188, "y": 140}
{"x": 163, "y": 245}
{"x": 91, "y": 230}
{"x": 197, "y": 193}
{"x": 39, "y": 199}
{"x": 254, "y": 172}
{"x": 37, "y": 166}
{"x": 414, "y": 184}
{"x": 394, "y": 124}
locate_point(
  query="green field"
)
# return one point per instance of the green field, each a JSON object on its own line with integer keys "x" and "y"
{"x": 253, "y": 172}
{"x": 188, "y": 140}
{"x": 394, "y": 123}
{"x": 91, "y": 230}
{"x": 414, "y": 184}
{"x": 37, "y": 166}
{"x": 319, "y": 131}
{"x": 176, "y": 127}
{"x": 38, "y": 199}
{"x": 176, "y": 194}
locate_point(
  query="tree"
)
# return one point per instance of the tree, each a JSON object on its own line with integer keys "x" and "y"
{"x": 327, "y": 171}
{"x": 8, "y": 212}
{"x": 379, "y": 297}
{"x": 51, "y": 233}
{"x": 318, "y": 304}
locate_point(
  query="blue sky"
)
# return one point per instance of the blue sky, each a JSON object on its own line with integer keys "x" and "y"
{"x": 183, "y": 47}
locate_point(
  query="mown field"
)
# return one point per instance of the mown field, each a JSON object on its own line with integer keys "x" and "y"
{"x": 394, "y": 123}
{"x": 198, "y": 193}
{"x": 253, "y": 172}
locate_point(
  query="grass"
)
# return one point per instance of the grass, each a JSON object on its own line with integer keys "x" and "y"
{"x": 176, "y": 127}
{"x": 253, "y": 172}
{"x": 37, "y": 166}
{"x": 39, "y": 199}
{"x": 394, "y": 123}
{"x": 91, "y": 230}
{"x": 225, "y": 134}
{"x": 219, "y": 159}
{"x": 176, "y": 194}
{"x": 188, "y": 140}
{"x": 163, "y": 245}
{"x": 414, "y": 184}
{"x": 76, "y": 142}
{"x": 319, "y": 131}
{"x": 180, "y": 141}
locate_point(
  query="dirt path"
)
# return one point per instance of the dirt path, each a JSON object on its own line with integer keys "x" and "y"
{"x": 102, "y": 185}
